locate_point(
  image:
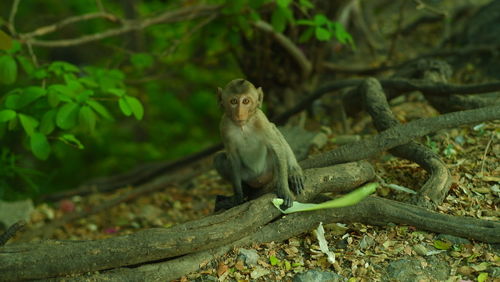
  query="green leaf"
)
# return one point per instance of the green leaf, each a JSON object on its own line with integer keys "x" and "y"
{"x": 442, "y": 245}
{"x": 322, "y": 34}
{"x": 26, "y": 64}
{"x": 5, "y": 41}
{"x": 83, "y": 96}
{"x": 482, "y": 277}
{"x": 305, "y": 22}
{"x": 100, "y": 109}
{"x": 321, "y": 19}
{"x": 71, "y": 140}
{"x": 87, "y": 118}
{"x": 88, "y": 81}
{"x": 306, "y": 4}
{"x": 16, "y": 47}
{"x": 53, "y": 98}
{"x": 124, "y": 107}
{"x": 40, "y": 146}
{"x": 279, "y": 19}
{"x": 116, "y": 91}
{"x": 8, "y": 69}
{"x": 30, "y": 94}
{"x": 48, "y": 123}
{"x": 283, "y": 3}
{"x": 29, "y": 123}
{"x": 6, "y": 115}
{"x": 142, "y": 60}
{"x": 67, "y": 116}
{"x": 274, "y": 260}
{"x": 306, "y": 35}
{"x": 59, "y": 68}
{"x": 40, "y": 74}
{"x": 135, "y": 106}
{"x": 342, "y": 35}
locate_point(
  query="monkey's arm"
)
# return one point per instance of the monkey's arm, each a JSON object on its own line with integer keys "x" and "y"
{"x": 280, "y": 165}
{"x": 295, "y": 173}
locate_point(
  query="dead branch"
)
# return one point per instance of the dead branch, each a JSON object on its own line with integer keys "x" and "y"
{"x": 181, "y": 14}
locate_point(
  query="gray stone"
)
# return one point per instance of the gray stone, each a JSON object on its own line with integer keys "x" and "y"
{"x": 366, "y": 242}
{"x": 316, "y": 275}
{"x": 249, "y": 257}
{"x": 11, "y": 212}
{"x": 259, "y": 272}
{"x": 409, "y": 270}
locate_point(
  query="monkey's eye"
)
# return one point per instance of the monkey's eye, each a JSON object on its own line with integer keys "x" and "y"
{"x": 234, "y": 101}
{"x": 246, "y": 101}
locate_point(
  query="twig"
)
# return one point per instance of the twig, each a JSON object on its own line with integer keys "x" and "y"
{"x": 486, "y": 152}
{"x": 32, "y": 54}
{"x": 127, "y": 26}
{"x": 56, "y": 26}
{"x": 11, "y": 231}
{"x": 289, "y": 46}
{"x": 12, "y": 16}
{"x": 422, "y": 6}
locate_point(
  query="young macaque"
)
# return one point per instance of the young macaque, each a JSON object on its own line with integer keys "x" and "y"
{"x": 256, "y": 153}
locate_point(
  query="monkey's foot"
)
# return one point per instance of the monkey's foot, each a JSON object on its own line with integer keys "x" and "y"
{"x": 296, "y": 183}
{"x": 225, "y": 202}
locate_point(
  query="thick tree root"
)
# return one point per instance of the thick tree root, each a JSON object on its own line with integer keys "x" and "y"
{"x": 438, "y": 184}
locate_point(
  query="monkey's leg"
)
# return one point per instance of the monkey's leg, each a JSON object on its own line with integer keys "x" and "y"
{"x": 223, "y": 165}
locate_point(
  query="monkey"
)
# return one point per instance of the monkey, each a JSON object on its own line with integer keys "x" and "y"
{"x": 256, "y": 154}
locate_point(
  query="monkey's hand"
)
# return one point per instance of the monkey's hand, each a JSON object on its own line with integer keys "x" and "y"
{"x": 296, "y": 180}
{"x": 283, "y": 192}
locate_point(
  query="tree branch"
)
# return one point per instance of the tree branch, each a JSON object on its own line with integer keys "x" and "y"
{"x": 127, "y": 26}
{"x": 56, "y": 26}
{"x": 12, "y": 16}
{"x": 288, "y": 45}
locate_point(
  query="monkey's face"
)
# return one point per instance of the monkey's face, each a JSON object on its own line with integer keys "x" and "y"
{"x": 241, "y": 107}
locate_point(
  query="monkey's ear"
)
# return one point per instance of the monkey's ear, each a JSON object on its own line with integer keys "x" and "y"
{"x": 260, "y": 96}
{"x": 219, "y": 96}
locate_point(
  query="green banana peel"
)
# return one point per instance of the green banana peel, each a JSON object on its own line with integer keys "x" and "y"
{"x": 348, "y": 199}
